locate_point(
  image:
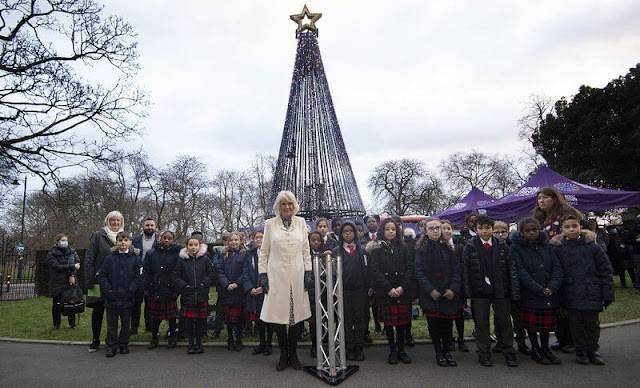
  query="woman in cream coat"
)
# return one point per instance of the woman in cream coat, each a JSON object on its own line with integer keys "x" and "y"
{"x": 284, "y": 268}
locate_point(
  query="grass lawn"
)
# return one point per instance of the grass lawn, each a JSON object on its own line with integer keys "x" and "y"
{"x": 32, "y": 319}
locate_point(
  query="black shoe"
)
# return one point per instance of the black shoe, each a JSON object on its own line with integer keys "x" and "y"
{"x": 568, "y": 349}
{"x": 124, "y": 349}
{"x": 95, "y": 346}
{"x": 524, "y": 349}
{"x": 581, "y": 358}
{"x": 440, "y": 360}
{"x": 191, "y": 349}
{"x": 153, "y": 344}
{"x": 553, "y": 359}
{"x": 511, "y": 360}
{"x": 267, "y": 350}
{"x": 595, "y": 358}
{"x": 450, "y": 360}
{"x": 393, "y": 358}
{"x": 198, "y": 349}
{"x": 110, "y": 352}
{"x": 498, "y": 348}
{"x": 172, "y": 342}
{"x": 367, "y": 339}
{"x": 230, "y": 345}
{"x": 462, "y": 347}
{"x": 258, "y": 349}
{"x": 538, "y": 357}
{"x": 485, "y": 361}
{"x": 404, "y": 358}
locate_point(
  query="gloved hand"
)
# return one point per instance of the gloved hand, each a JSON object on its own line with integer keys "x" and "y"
{"x": 308, "y": 280}
{"x": 263, "y": 281}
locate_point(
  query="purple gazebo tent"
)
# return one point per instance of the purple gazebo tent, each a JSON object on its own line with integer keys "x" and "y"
{"x": 476, "y": 199}
{"x": 583, "y": 197}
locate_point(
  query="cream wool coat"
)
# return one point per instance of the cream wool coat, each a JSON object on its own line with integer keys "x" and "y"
{"x": 284, "y": 257}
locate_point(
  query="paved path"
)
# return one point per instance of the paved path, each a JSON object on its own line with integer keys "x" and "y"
{"x": 36, "y": 365}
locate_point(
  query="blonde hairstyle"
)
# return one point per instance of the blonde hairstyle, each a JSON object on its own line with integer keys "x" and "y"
{"x": 285, "y": 196}
{"x": 501, "y": 224}
{"x": 113, "y": 214}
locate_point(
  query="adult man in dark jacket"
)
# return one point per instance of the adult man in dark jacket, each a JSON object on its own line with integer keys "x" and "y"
{"x": 144, "y": 242}
{"x": 490, "y": 280}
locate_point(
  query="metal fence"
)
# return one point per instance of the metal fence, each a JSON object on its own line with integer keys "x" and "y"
{"x": 17, "y": 271}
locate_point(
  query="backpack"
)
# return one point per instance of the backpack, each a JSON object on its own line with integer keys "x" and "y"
{"x": 72, "y": 301}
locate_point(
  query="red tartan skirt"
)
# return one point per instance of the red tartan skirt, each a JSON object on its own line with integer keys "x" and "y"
{"x": 232, "y": 313}
{"x": 251, "y": 316}
{"x": 394, "y": 314}
{"x": 538, "y": 320}
{"x": 194, "y": 311}
{"x": 161, "y": 310}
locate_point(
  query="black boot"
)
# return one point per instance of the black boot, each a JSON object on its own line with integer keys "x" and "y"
{"x": 190, "y": 349}
{"x": 294, "y": 334}
{"x": 283, "y": 344}
{"x": 595, "y": 358}
{"x": 402, "y": 355}
{"x": 237, "y": 338}
{"x": 267, "y": 348}
{"x": 536, "y": 352}
{"x": 393, "y": 350}
{"x": 230, "y": 340}
{"x": 198, "y": 345}
{"x": 154, "y": 342}
{"x": 546, "y": 352}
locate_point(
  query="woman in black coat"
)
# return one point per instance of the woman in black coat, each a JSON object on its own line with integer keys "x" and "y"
{"x": 63, "y": 264}
{"x": 159, "y": 264}
{"x": 230, "y": 269}
{"x": 391, "y": 270}
{"x": 193, "y": 276}
{"x": 100, "y": 244}
{"x": 439, "y": 276}
{"x": 540, "y": 276}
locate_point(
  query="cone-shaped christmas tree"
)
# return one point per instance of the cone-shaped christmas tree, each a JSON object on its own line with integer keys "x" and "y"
{"x": 313, "y": 161}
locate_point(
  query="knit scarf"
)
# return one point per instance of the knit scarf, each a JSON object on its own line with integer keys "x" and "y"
{"x": 111, "y": 234}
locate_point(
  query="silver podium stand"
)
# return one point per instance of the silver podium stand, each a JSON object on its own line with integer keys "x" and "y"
{"x": 331, "y": 365}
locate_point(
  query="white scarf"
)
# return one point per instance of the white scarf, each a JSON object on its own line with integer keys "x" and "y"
{"x": 112, "y": 235}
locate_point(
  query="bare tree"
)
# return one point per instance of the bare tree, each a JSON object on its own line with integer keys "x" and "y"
{"x": 51, "y": 117}
{"x": 494, "y": 175}
{"x": 405, "y": 185}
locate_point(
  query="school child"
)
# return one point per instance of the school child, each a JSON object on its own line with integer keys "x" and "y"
{"x": 193, "y": 276}
{"x": 439, "y": 279}
{"x": 501, "y": 232}
{"x": 335, "y": 229}
{"x": 161, "y": 293}
{"x": 229, "y": 270}
{"x": 392, "y": 272}
{"x": 540, "y": 277}
{"x": 255, "y": 296}
{"x": 371, "y": 223}
{"x": 447, "y": 237}
{"x": 587, "y": 286}
{"x": 119, "y": 278}
{"x": 356, "y": 284}
{"x": 315, "y": 247}
{"x": 328, "y": 240}
{"x": 490, "y": 281}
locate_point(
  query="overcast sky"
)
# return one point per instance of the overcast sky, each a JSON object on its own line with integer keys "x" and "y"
{"x": 419, "y": 79}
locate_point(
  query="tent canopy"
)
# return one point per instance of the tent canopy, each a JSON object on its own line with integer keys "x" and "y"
{"x": 476, "y": 199}
{"x": 583, "y": 197}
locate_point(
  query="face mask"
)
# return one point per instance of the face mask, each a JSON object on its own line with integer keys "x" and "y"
{"x": 63, "y": 244}
{"x": 149, "y": 232}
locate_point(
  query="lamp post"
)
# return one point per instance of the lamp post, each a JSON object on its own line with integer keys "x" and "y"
{"x": 24, "y": 203}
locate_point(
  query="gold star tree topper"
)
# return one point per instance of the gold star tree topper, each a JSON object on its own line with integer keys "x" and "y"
{"x": 301, "y": 20}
